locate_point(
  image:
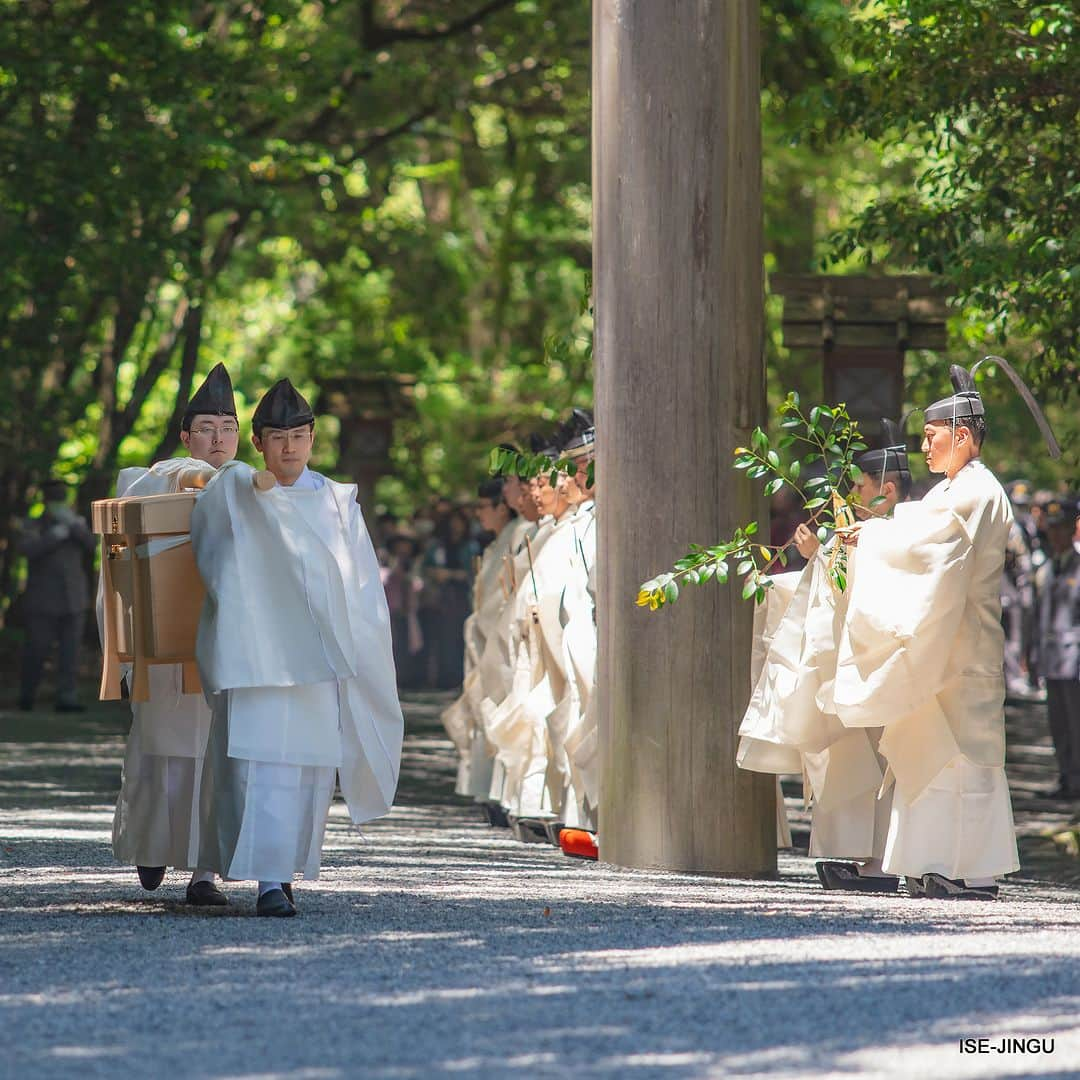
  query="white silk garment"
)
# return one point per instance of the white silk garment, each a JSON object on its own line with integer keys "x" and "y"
{"x": 568, "y": 629}
{"x": 921, "y": 655}
{"x": 156, "y": 822}
{"x": 517, "y": 726}
{"x": 791, "y": 726}
{"x": 464, "y": 719}
{"x": 295, "y": 653}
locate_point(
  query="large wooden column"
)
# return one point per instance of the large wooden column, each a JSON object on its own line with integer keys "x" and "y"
{"x": 679, "y": 382}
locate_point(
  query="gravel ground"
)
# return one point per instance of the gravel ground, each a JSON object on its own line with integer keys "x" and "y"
{"x": 436, "y": 946}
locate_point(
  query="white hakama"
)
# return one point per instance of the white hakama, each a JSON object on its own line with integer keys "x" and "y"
{"x": 263, "y": 820}
{"x": 294, "y": 648}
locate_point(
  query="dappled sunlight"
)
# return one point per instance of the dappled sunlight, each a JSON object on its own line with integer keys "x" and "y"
{"x": 429, "y": 920}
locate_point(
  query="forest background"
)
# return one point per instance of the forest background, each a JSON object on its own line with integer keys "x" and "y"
{"x": 314, "y": 189}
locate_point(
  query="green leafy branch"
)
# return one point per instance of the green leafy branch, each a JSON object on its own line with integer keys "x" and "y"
{"x": 505, "y": 462}
{"x": 818, "y": 464}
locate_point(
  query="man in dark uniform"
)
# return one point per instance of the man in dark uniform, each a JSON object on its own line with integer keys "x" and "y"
{"x": 1018, "y": 594}
{"x": 1058, "y": 600}
{"x": 56, "y": 597}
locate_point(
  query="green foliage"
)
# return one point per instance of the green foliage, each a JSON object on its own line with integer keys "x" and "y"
{"x": 988, "y": 93}
{"x": 814, "y": 456}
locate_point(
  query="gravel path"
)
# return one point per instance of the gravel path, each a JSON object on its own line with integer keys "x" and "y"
{"x": 435, "y": 946}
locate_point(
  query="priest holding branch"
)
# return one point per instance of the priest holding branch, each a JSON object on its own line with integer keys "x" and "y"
{"x": 295, "y": 657}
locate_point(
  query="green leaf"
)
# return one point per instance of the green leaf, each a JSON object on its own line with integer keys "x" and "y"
{"x": 822, "y": 534}
{"x": 773, "y": 458}
{"x": 794, "y": 471}
{"x": 855, "y": 472}
{"x": 813, "y": 504}
{"x": 744, "y": 567}
{"x": 706, "y": 573}
{"x": 671, "y": 592}
{"x": 722, "y": 572}
{"x": 749, "y": 588}
{"x": 774, "y": 485}
{"x": 751, "y": 528}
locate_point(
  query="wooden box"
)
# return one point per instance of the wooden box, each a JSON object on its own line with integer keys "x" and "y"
{"x": 153, "y": 594}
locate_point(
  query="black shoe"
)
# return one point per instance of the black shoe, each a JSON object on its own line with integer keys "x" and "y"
{"x": 69, "y": 707}
{"x": 150, "y": 877}
{"x": 275, "y": 904}
{"x": 943, "y": 888}
{"x": 286, "y": 888}
{"x": 531, "y": 830}
{"x": 206, "y": 894}
{"x": 845, "y": 876}
{"x": 916, "y": 888}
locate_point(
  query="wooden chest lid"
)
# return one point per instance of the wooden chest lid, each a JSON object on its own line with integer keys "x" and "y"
{"x": 144, "y": 515}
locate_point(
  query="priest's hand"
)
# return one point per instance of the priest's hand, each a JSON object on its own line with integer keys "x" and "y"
{"x": 849, "y": 534}
{"x": 806, "y": 541}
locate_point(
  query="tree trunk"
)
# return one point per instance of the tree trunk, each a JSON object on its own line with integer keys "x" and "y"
{"x": 680, "y": 382}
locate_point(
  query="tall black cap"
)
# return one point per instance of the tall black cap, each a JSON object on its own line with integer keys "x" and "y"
{"x": 282, "y": 406}
{"x": 213, "y": 398}
{"x": 891, "y": 456}
{"x": 963, "y": 403}
{"x": 966, "y": 402}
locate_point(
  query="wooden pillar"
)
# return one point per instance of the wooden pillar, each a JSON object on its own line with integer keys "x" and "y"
{"x": 680, "y": 382}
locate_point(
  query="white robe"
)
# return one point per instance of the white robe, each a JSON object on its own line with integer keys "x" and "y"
{"x": 791, "y": 726}
{"x": 921, "y": 655}
{"x": 464, "y": 719}
{"x": 294, "y": 651}
{"x": 157, "y": 813}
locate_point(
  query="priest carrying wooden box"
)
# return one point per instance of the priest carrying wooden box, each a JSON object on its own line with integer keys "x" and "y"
{"x": 156, "y": 824}
{"x": 295, "y": 656}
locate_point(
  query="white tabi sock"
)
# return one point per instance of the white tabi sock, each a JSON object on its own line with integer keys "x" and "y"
{"x": 980, "y": 882}
{"x": 872, "y": 868}
{"x": 267, "y": 886}
{"x": 201, "y": 875}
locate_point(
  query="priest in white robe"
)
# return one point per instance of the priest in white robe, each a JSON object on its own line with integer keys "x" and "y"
{"x": 464, "y": 719}
{"x": 791, "y": 726}
{"x": 295, "y": 656}
{"x": 921, "y": 656}
{"x": 156, "y": 824}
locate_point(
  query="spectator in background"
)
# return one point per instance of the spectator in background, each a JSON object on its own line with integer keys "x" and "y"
{"x": 448, "y": 575}
{"x": 1057, "y": 586}
{"x": 403, "y": 599}
{"x": 56, "y": 597}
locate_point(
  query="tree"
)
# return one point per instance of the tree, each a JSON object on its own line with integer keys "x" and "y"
{"x": 159, "y": 141}
{"x": 989, "y": 92}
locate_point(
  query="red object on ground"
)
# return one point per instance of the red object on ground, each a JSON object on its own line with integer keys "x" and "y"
{"x": 578, "y": 843}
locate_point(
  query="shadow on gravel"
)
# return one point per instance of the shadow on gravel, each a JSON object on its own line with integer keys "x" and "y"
{"x": 438, "y": 947}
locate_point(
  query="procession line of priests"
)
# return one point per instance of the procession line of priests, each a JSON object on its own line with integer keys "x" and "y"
{"x": 918, "y": 653}
{"x": 156, "y": 824}
{"x": 295, "y": 656}
{"x": 525, "y": 724}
